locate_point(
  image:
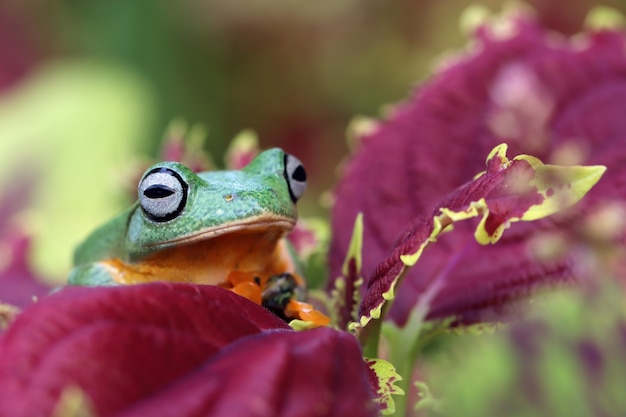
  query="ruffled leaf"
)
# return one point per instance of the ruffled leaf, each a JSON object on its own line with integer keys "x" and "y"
{"x": 508, "y": 191}
{"x": 557, "y": 99}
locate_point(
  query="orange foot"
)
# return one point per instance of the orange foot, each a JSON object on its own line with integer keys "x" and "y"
{"x": 248, "y": 285}
{"x": 306, "y": 312}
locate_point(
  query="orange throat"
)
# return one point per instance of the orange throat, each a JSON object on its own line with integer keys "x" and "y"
{"x": 212, "y": 261}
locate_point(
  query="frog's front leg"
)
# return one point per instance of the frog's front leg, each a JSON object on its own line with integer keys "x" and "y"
{"x": 280, "y": 290}
{"x": 93, "y": 274}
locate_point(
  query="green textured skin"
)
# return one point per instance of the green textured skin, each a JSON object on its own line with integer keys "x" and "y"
{"x": 259, "y": 189}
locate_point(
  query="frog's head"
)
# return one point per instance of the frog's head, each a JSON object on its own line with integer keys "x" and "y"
{"x": 177, "y": 206}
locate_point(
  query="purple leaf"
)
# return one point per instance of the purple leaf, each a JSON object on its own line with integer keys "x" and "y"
{"x": 557, "y": 99}
{"x": 507, "y": 192}
{"x": 136, "y": 339}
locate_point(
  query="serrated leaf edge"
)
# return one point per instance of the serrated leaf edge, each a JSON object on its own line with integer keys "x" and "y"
{"x": 387, "y": 377}
{"x": 447, "y": 217}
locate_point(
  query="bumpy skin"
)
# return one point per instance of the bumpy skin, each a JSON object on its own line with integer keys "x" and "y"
{"x": 218, "y": 202}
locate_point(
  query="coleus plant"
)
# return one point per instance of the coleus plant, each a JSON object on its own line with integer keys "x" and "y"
{"x": 419, "y": 252}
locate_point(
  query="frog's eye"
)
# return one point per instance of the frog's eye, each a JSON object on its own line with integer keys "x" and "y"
{"x": 162, "y": 194}
{"x": 295, "y": 176}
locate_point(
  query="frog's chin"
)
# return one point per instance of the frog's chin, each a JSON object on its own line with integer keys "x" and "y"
{"x": 255, "y": 225}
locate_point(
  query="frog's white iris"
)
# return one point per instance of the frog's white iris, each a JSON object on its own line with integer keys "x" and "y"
{"x": 295, "y": 176}
{"x": 162, "y": 194}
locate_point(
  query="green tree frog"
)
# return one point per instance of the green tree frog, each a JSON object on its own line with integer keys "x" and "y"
{"x": 224, "y": 228}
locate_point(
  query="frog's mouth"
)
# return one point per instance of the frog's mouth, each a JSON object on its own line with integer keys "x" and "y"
{"x": 253, "y": 225}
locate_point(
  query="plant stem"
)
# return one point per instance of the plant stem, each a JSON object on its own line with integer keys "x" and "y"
{"x": 370, "y": 337}
{"x": 404, "y": 355}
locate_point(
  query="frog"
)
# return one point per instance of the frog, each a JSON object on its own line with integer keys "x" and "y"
{"x": 226, "y": 228}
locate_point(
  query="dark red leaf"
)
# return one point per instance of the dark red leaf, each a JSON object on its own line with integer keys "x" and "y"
{"x": 118, "y": 344}
{"x": 313, "y": 373}
{"x": 176, "y": 349}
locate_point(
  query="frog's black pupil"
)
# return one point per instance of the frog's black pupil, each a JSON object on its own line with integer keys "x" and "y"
{"x": 299, "y": 174}
{"x": 158, "y": 191}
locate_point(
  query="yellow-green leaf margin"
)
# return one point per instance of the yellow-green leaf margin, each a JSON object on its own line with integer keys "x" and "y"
{"x": 560, "y": 187}
{"x": 387, "y": 377}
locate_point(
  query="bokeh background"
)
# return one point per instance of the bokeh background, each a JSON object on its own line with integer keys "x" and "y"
{"x": 88, "y": 88}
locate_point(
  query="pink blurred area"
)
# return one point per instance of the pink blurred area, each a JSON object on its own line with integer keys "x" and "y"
{"x": 19, "y": 285}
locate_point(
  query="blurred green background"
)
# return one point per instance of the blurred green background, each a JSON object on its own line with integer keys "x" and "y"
{"x": 87, "y": 88}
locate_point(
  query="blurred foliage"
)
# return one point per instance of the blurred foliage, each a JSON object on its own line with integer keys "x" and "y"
{"x": 295, "y": 72}
{"x": 566, "y": 360}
